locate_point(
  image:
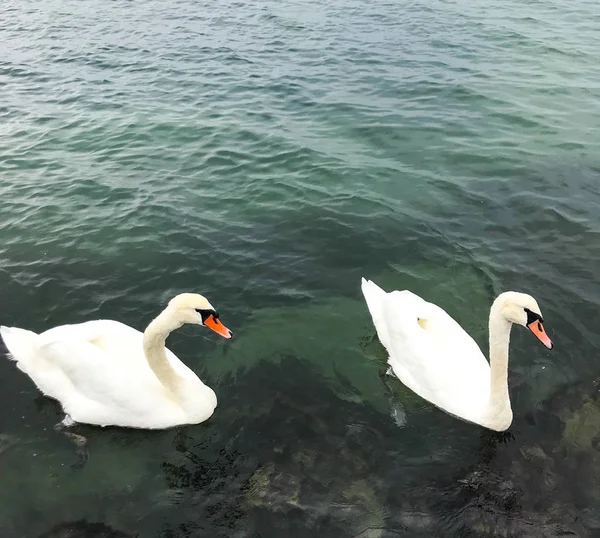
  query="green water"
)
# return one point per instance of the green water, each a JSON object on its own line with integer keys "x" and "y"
{"x": 269, "y": 155}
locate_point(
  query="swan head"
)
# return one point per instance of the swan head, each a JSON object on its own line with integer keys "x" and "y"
{"x": 522, "y": 309}
{"x": 195, "y": 308}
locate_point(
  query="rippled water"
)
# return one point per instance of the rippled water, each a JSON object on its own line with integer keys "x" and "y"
{"x": 268, "y": 155}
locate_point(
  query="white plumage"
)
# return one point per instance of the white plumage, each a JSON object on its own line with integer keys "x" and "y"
{"x": 106, "y": 373}
{"x": 433, "y": 355}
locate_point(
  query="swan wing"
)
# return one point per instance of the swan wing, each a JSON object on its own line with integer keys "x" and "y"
{"x": 105, "y": 367}
{"x": 120, "y": 345}
{"x": 110, "y": 380}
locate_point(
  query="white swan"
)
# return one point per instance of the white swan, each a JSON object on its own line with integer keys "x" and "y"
{"x": 433, "y": 355}
{"x": 106, "y": 373}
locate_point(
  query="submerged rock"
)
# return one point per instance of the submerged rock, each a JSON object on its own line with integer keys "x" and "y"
{"x": 540, "y": 480}
{"x": 84, "y": 529}
{"x": 299, "y": 460}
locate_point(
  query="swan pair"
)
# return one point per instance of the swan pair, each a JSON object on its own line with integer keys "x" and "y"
{"x": 106, "y": 373}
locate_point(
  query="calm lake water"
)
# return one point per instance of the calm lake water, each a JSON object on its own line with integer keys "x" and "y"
{"x": 268, "y": 155}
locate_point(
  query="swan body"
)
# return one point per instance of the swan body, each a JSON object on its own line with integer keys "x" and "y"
{"x": 434, "y": 356}
{"x": 104, "y": 372}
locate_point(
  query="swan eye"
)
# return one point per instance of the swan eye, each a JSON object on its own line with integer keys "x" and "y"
{"x": 532, "y": 316}
{"x": 206, "y": 313}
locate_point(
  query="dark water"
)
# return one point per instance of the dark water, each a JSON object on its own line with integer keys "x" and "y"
{"x": 268, "y": 155}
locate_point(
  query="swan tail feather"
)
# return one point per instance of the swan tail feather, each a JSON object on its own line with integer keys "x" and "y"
{"x": 374, "y": 295}
{"x": 375, "y": 298}
{"x": 21, "y": 345}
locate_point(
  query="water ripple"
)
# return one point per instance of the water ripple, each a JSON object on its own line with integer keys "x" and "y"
{"x": 273, "y": 153}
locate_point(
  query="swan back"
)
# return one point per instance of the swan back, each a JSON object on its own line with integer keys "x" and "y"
{"x": 430, "y": 352}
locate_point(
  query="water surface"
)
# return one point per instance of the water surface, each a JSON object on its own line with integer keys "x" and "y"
{"x": 268, "y": 156}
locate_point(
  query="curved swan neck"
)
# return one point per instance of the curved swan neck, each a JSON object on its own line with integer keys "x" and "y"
{"x": 499, "y": 333}
{"x": 155, "y": 337}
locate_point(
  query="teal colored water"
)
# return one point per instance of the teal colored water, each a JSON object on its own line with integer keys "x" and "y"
{"x": 269, "y": 155}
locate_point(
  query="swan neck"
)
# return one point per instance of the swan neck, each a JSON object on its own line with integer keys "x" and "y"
{"x": 499, "y": 329}
{"x": 155, "y": 337}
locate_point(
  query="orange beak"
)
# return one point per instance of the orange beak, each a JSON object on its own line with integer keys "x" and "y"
{"x": 217, "y": 326}
{"x": 537, "y": 328}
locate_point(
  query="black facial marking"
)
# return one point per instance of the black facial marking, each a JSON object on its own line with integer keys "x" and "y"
{"x": 532, "y": 316}
{"x": 206, "y": 313}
